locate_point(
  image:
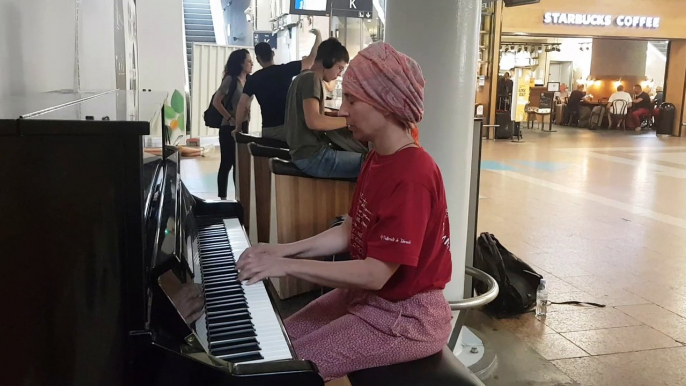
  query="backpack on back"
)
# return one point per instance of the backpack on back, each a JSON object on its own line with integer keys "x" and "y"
{"x": 518, "y": 282}
{"x": 213, "y": 118}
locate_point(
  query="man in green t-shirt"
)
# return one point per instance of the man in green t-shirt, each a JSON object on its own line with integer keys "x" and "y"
{"x": 306, "y": 122}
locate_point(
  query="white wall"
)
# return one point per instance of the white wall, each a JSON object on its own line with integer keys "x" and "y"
{"x": 656, "y": 64}
{"x": 306, "y": 39}
{"x": 286, "y": 46}
{"x": 162, "y": 52}
{"x": 569, "y": 52}
{"x": 96, "y": 43}
{"x": 36, "y": 45}
{"x": 218, "y": 22}
{"x": 261, "y": 10}
{"x": 161, "y": 45}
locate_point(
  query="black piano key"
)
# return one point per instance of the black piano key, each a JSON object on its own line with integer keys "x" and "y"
{"x": 218, "y": 314}
{"x": 231, "y": 328}
{"x": 207, "y": 260}
{"x": 246, "y": 357}
{"x": 232, "y": 332}
{"x": 225, "y": 306}
{"x": 218, "y": 270}
{"x": 221, "y": 277}
{"x": 218, "y": 267}
{"x": 211, "y": 268}
{"x": 237, "y": 350}
{"x": 222, "y": 282}
{"x": 220, "y": 320}
{"x": 218, "y": 292}
{"x": 229, "y": 341}
{"x": 213, "y": 258}
{"x": 228, "y": 285}
{"x": 228, "y": 316}
{"x": 237, "y": 297}
{"x": 232, "y": 343}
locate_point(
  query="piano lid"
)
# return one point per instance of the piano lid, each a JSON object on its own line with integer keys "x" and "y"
{"x": 14, "y": 107}
{"x": 113, "y": 113}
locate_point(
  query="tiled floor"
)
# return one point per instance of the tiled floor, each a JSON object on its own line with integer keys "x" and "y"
{"x": 603, "y": 217}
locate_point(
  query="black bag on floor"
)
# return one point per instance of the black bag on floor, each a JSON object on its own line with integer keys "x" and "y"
{"x": 504, "y": 122}
{"x": 518, "y": 282}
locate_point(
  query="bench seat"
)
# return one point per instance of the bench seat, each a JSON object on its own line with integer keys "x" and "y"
{"x": 441, "y": 369}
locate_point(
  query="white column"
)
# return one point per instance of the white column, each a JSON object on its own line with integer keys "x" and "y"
{"x": 443, "y": 37}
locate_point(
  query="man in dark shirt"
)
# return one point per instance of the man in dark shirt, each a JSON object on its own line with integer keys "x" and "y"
{"x": 573, "y": 105}
{"x": 641, "y": 106}
{"x": 270, "y": 85}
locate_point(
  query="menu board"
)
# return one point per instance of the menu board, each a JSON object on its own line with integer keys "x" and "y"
{"x": 310, "y": 7}
{"x": 546, "y": 101}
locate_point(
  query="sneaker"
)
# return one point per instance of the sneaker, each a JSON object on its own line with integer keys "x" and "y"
{"x": 207, "y": 150}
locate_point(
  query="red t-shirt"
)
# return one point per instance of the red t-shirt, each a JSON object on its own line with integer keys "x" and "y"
{"x": 400, "y": 215}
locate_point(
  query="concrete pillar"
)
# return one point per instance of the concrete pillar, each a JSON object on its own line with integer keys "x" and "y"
{"x": 443, "y": 37}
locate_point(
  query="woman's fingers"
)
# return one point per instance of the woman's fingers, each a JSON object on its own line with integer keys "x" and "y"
{"x": 255, "y": 269}
{"x": 257, "y": 278}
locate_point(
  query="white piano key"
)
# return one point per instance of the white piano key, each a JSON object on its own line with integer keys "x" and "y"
{"x": 271, "y": 338}
{"x": 269, "y": 333}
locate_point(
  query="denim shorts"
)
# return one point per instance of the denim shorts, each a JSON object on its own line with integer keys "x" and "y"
{"x": 329, "y": 163}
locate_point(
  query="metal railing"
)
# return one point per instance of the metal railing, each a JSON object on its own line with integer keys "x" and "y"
{"x": 467, "y": 304}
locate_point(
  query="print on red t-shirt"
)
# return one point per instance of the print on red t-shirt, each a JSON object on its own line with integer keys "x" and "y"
{"x": 399, "y": 215}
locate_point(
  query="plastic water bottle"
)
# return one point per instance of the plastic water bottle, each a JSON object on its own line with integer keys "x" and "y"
{"x": 541, "y": 300}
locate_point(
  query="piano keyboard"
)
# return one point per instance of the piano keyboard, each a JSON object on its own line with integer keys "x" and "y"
{"x": 240, "y": 324}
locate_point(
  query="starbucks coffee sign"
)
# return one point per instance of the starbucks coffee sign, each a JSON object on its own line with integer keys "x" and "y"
{"x": 597, "y": 20}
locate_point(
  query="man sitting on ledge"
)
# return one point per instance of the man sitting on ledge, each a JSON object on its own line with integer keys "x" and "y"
{"x": 306, "y": 121}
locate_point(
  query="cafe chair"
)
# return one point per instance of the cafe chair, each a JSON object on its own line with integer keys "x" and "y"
{"x": 620, "y": 106}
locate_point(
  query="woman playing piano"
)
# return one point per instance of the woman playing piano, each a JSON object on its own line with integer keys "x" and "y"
{"x": 388, "y": 306}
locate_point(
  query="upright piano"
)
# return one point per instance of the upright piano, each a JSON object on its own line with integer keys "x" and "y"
{"x": 100, "y": 240}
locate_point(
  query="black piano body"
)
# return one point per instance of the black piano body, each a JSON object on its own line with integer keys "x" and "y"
{"x": 92, "y": 226}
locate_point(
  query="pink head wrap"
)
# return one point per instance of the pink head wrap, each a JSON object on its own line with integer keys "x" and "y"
{"x": 388, "y": 80}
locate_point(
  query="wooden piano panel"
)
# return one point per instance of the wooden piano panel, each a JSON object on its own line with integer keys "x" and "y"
{"x": 305, "y": 207}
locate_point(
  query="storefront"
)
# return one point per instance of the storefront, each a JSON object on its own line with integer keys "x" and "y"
{"x": 598, "y": 43}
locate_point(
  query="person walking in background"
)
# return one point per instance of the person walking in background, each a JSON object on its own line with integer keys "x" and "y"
{"x": 641, "y": 104}
{"x": 505, "y": 89}
{"x": 225, "y": 100}
{"x": 270, "y": 86}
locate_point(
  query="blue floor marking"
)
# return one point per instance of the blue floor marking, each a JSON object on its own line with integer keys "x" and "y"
{"x": 545, "y": 166}
{"x": 495, "y": 165}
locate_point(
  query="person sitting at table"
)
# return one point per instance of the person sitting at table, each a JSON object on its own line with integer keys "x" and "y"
{"x": 641, "y": 107}
{"x": 617, "y": 116}
{"x": 574, "y": 105}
